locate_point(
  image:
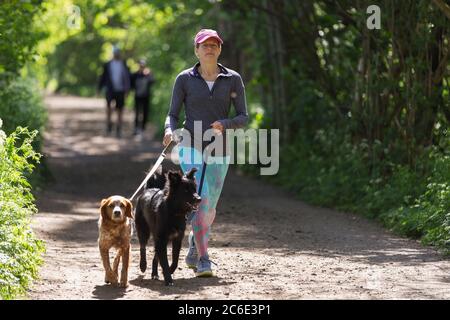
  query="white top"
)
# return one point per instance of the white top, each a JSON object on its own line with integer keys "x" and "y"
{"x": 117, "y": 75}
{"x": 210, "y": 84}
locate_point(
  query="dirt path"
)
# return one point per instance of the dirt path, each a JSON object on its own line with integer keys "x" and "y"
{"x": 267, "y": 244}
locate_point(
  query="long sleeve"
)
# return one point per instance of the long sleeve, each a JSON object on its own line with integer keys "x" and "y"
{"x": 178, "y": 95}
{"x": 240, "y": 105}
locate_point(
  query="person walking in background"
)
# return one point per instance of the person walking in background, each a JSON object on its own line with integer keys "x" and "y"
{"x": 207, "y": 91}
{"x": 116, "y": 78}
{"x": 141, "y": 82}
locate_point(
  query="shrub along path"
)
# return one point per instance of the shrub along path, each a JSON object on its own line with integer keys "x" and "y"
{"x": 267, "y": 244}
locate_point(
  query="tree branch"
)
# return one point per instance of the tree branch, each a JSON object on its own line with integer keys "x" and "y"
{"x": 445, "y": 8}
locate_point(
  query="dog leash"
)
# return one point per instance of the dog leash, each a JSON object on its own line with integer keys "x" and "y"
{"x": 153, "y": 170}
{"x": 158, "y": 163}
{"x": 202, "y": 178}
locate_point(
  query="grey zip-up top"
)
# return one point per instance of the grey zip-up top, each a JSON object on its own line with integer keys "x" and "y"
{"x": 207, "y": 106}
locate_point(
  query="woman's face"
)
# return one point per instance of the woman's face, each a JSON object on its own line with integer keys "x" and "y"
{"x": 208, "y": 51}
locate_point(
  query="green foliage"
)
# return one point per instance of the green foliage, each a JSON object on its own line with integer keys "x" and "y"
{"x": 329, "y": 171}
{"x": 22, "y": 106}
{"x": 76, "y": 73}
{"x": 358, "y": 109}
{"x": 160, "y": 31}
{"x": 428, "y": 215}
{"x": 22, "y": 117}
{"x": 20, "y": 251}
{"x": 21, "y": 101}
{"x": 16, "y": 41}
{"x": 334, "y": 173}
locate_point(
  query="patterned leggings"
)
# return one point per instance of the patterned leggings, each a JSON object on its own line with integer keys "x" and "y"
{"x": 212, "y": 187}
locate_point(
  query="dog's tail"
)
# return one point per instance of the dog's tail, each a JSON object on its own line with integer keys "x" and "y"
{"x": 157, "y": 180}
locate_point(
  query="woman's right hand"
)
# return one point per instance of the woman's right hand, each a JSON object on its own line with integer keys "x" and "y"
{"x": 167, "y": 138}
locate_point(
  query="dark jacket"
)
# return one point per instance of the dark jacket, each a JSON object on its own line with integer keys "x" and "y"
{"x": 106, "y": 81}
{"x": 141, "y": 83}
{"x": 207, "y": 106}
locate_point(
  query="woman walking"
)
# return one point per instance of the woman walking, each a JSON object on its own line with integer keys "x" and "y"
{"x": 207, "y": 91}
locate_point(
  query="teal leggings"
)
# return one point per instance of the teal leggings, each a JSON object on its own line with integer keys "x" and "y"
{"x": 212, "y": 187}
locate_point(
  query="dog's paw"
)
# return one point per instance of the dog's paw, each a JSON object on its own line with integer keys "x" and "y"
{"x": 112, "y": 278}
{"x": 123, "y": 284}
{"x": 155, "y": 277}
{"x": 169, "y": 283}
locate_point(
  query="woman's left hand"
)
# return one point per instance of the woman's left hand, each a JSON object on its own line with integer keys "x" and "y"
{"x": 217, "y": 126}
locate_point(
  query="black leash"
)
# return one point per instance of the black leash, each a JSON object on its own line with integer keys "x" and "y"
{"x": 202, "y": 179}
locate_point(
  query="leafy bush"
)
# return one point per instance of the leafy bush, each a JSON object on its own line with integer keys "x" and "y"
{"x": 20, "y": 251}
{"x": 17, "y": 41}
{"x": 328, "y": 171}
{"x": 22, "y": 106}
{"x": 428, "y": 217}
{"x": 332, "y": 172}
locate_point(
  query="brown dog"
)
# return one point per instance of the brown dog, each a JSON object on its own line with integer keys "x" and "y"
{"x": 115, "y": 232}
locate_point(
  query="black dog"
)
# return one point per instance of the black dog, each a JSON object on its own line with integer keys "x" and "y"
{"x": 162, "y": 213}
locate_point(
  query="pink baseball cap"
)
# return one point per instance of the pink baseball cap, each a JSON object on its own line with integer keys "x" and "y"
{"x": 205, "y": 34}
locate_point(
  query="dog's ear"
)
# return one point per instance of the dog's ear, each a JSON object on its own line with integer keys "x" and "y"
{"x": 174, "y": 177}
{"x": 103, "y": 208}
{"x": 191, "y": 173}
{"x": 129, "y": 209}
